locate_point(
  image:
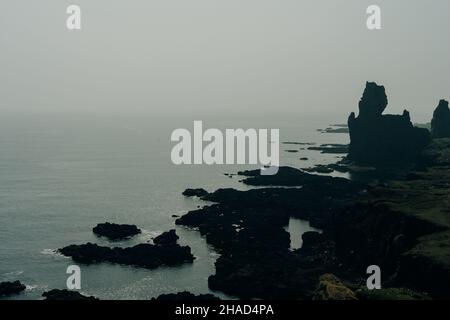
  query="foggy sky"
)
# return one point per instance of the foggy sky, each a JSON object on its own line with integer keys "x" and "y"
{"x": 275, "y": 56}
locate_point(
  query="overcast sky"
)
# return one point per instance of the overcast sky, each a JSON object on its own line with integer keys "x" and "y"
{"x": 289, "y": 56}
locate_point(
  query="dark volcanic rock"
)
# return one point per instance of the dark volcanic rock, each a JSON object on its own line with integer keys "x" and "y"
{"x": 440, "y": 124}
{"x": 265, "y": 274}
{"x": 320, "y": 168}
{"x": 378, "y": 139}
{"x": 328, "y": 168}
{"x": 372, "y": 233}
{"x": 195, "y": 192}
{"x": 9, "y": 288}
{"x": 334, "y": 130}
{"x": 300, "y": 143}
{"x": 331, "y": 148}
{"x": 57, "y": 294}
{"x": 312, "y": 238}
{"x": 142, "y": 255}
{"x": 248, "y": 229}
{"x": 114, "y": 231}
{"x": 169, "y": 237}
{"x": 317, "y": 198}
{"x": 317, "y": 249}
{"x": 186, "y": 296}
{"x": 287, "y": 176}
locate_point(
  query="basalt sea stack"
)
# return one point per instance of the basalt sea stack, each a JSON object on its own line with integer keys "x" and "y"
{"x": 440, "y": 124}
{"x": 377, "y": 139}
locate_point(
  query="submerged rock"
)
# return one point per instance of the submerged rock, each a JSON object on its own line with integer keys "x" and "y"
{"x": 114, "y": 231}
{"x": 9, "y": 288}
{"x": 169, "y": 237}
{"x": 186, "y": 296}
{"x": 440, "y": 124}
{"x": 57, "y": 294}
{"x": 142, "y": 255}
{"x": 199, "y": 192}
{"x": 378, "y": 139}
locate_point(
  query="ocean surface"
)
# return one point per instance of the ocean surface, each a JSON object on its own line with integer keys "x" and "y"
{"x": 61, "y": 174}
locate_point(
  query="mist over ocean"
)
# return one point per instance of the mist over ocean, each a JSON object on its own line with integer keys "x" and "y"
{"x": 60, "y": 175}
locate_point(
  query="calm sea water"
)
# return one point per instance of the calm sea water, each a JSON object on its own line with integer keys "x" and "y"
{"x": 60, "y": 175}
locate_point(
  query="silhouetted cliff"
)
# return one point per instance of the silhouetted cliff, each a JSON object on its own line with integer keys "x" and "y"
{"x": 440, "y": 124}
{"x": 377, "y": 139}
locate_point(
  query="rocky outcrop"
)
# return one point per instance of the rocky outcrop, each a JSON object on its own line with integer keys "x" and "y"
{"x": 195, "y": 192}
{"x": 67, "y": 295}
{"x": 264, "y": 274}
{"x": 426, "y": 267}
{"x": 114, "y": 231}
{"x": 166, "y": 238}
{"x": 248, "y": 229}
{"x": 142, "y": 255}
{"x": 375, "y": 233}
{"x": 377, "y": 139}
{"x": 331, "y": 288}
{"x": 186, "y": 296}
{"x": 440, "y": 124}
{"x": 403, "y": 226}
{"x": 9, "y": 288}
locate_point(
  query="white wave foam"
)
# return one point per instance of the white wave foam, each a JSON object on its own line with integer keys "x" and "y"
{"x": 52, "y": 252}
{"x": 12, "y": 273}
{"x": 147, "y": 235}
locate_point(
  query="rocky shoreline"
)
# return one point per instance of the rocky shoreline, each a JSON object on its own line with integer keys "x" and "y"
{"x": 363, "y": 224}
{"x": 399, "y": 220}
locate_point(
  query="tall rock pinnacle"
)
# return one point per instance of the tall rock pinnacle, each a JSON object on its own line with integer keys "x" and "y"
{"x": 377, "y": 139}
{"x": 440, "y": 124}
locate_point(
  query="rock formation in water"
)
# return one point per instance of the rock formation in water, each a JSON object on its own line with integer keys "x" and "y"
{"x": 166, "y": 238}
{"x": 114, "y": 231}
{"x": 186, "y": 296}
{"x": 377, "y": 139}
{"x": 66, "y": 295}
{"x": 200, "y": 192}
{"x": 142, "y": 255}
{"x": 440, "y": 125}
{"x": 9, "y": 288}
